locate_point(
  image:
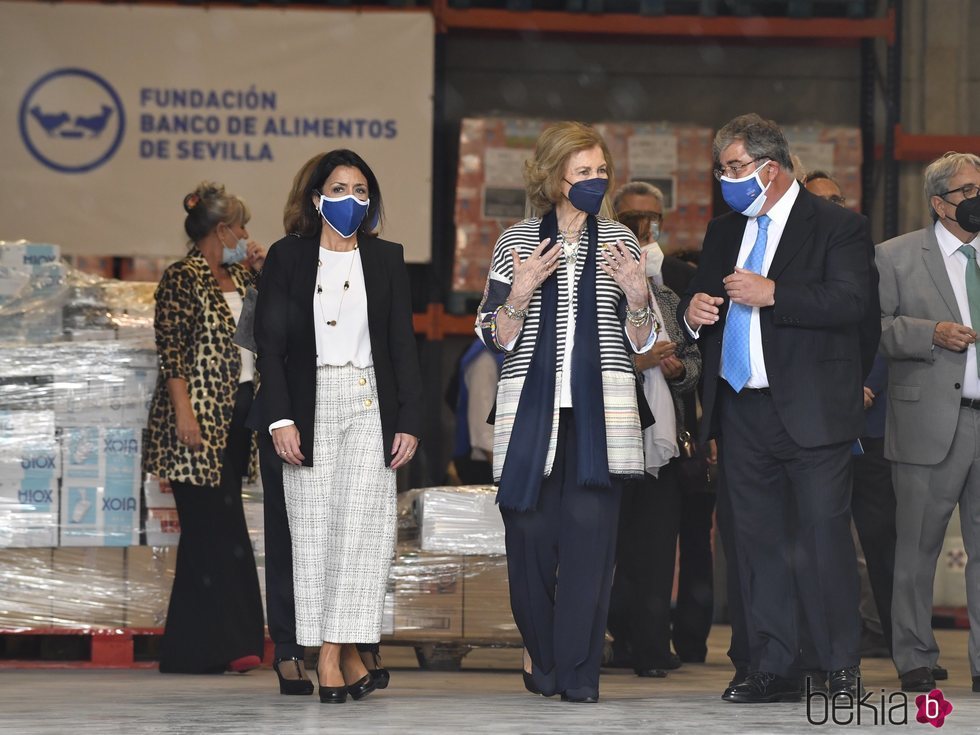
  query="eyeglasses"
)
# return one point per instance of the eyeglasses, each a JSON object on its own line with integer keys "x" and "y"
{"x": 837, "y": 199}
{"x": 641, "y": 214}
{"x": 733, "y": 170}
{"x": 969, "y": 191}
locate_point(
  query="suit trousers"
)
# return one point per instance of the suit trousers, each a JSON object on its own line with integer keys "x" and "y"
{"x": 695, "y": 607}
{"x": 789, "y": 500}
{"x": 926, "y": 496}
{"x": 560, "y": 559}
{"x": 738, "y": 649}
{"x": 639, "y": 613}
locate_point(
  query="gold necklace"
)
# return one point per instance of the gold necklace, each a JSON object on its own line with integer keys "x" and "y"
{"x": 319, "y": 289}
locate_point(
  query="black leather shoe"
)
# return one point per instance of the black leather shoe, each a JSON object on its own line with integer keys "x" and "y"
{"x": 362, "y": 687}
{"x": 380, "y": 674}
{"x": 846, "y": 681}
{"x": 761, "y": 687}
{"x": 292, "y": 686}
{"x": 588, "y": 699}
{"x": 815, "y": 681}
{"x": 939, "y": 673}
{"x": 651, "y": 673}
{"x": 739, "y": 677}
{"x": 918, "y": 680}
{"x": 331, "y": 695}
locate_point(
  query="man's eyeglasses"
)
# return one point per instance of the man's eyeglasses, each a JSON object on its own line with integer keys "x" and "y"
{"x": 642, "y": 214}
{"x": 969, "y": 191}
{"x": 733, "y": 170}
{"x": 837, "y": 199}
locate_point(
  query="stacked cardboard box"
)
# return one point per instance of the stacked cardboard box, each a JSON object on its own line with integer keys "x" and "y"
{"x": 460, "y": 519}
{"x": 833, "y": 149}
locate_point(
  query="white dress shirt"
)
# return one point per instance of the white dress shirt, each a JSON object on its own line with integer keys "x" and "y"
{"x": 778, "y": 216}
{"x": 956, "y": 264}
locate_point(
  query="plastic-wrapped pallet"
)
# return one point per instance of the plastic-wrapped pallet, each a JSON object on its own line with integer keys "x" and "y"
{"x": 460, "y": 519}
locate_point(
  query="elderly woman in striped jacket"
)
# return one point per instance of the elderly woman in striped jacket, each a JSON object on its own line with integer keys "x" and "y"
{"x": 567, "y": 301}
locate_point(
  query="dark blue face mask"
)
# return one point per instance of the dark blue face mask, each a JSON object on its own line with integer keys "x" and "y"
{"x": 343, "y": 214}
{"x": 586, "y": 196}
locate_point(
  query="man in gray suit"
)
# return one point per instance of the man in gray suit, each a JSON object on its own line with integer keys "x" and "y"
{"x": 930, "y": 306}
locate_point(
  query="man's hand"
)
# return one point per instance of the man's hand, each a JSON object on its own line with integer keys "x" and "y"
{"x": 869, "y": 397}
{"x": 751, "y": 289}
{"x": 702, "y": 310}
{"x": 953, "y": 336}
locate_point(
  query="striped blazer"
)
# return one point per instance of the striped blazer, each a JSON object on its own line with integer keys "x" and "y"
{"x": 624, "y": 443}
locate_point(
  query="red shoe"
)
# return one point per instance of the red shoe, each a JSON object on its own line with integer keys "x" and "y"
{"x": 245, "y": 663}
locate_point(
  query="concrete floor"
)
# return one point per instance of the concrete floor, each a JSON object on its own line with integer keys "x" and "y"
{"x": 487, "y": 697}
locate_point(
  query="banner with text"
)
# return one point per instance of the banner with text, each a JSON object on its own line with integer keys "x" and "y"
{"x": 111, "y": 114}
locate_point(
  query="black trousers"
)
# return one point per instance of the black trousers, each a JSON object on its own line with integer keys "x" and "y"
{"x": 873, "y": 509}
{"x": 694, "y": 610}
{"x": 279, "y": 600}
{"x": 215, "y": 611}
{"x": 560, "y": 560}
{"x": 646, "y": 550}
{"x": 771, "y": 482}
{"x": 738, "y": 649}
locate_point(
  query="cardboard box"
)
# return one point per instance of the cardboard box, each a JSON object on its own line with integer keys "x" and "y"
{"x": 487, "y": 615}
{"x": 100, "y": 494}
{"x": 25, "y": 588}
{"x": 30, "y": 468}
{"x": 28, "y": 514}
{"x": 428, "y": 597}
{"x": 149, "y": 580}
{"x": 458, "y": 520}
{"x": 157, "y": 492}
{"x": 88, "y": 588}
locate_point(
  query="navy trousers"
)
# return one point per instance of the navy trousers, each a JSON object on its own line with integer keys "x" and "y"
{"x": 560, "y": 559}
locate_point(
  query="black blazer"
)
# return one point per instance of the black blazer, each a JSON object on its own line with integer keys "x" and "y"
{"x": 285, "y": 335}
{"x": 820, "y": 337}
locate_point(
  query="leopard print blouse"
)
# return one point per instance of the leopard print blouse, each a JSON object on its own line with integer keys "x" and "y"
{"x": 194, "y": 330}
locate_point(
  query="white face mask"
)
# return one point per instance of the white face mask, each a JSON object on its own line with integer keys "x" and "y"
{"x": 655, "y": 260}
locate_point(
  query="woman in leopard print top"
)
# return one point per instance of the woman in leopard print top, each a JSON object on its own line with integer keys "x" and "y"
{"x": 197, "y": 439}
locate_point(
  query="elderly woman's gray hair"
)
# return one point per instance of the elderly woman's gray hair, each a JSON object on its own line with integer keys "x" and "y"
{"x": 939, "y": 173}
{"x": 761, "y": 138}
{"x": 637, "y": 188}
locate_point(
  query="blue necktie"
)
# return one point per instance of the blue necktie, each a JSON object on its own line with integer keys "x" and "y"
{"x": 736, "y": 363}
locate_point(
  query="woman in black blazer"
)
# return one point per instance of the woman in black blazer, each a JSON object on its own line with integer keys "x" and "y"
{"x": 341, "y": 388}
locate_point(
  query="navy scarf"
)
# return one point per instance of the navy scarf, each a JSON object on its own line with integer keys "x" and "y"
{"x": 527, "y": 450}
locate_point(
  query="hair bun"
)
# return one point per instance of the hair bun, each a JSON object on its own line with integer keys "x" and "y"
{"x": 191, "y": 201}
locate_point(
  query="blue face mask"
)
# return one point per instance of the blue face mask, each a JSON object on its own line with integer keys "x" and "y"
{"x": 586, "y": 196}
{"x": 236, "y": 254}
{"x": 746, "y": 195}
{"x": 343, "y": 214}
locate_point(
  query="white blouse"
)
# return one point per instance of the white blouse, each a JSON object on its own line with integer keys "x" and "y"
{"x": 339, "y": 314}
{"x": 235, "y": 303}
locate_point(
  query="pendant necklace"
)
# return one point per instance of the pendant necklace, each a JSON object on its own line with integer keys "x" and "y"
{"x": 319, "y": 289}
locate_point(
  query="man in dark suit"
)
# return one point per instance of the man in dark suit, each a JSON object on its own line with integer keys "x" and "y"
{"x": 779, "y": 308}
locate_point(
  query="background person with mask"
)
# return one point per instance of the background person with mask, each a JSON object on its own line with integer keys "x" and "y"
{"x": 640, "y": 206}
{"x": 930, "y": 308}
{"x": 197, "y": 439}
{"x": 776, "y": 308}
{"x": 567, "y": 299}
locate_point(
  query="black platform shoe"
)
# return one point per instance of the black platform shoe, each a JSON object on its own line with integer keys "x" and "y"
{"x": 362, "y": 687}
{"x": 379, "y": 674}
{"x": 529, "y": 683}
{"x": 292, "y": 686}
{"x": 331, "y": 695}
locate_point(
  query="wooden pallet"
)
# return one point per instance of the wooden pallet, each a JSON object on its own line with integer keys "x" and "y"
{"x": 109, "y": 648}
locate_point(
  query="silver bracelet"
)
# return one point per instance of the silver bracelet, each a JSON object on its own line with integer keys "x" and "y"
{"x": 640, "y": 317}
{"x": 514, "y": 313}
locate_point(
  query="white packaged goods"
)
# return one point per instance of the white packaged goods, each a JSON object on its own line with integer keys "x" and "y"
{"x": 30, "y": 469}
{"x": 101, "y": 487}
{"x": 455, "y": 520}
{"x": 157, "y": 493}
{"x": 162, "y": 527}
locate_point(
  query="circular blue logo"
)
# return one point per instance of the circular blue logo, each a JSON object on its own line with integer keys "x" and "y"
{"x": 72, "y": 120}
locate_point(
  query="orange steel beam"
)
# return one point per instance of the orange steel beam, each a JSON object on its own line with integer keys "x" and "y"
{"x": 913, "y": 147}
{"x": 678, "y": 26}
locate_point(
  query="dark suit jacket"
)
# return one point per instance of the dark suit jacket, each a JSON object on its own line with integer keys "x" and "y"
{"x": 284, "y": 333}
{"x": 819, "y": 338}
